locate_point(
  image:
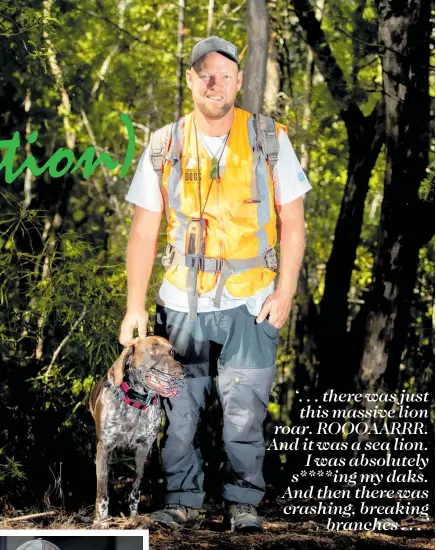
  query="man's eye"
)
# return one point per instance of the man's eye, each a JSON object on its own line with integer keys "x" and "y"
{"x": 204, "y": 76}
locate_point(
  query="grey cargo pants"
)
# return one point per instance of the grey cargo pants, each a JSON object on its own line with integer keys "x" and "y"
{"x": 245, "y": 375}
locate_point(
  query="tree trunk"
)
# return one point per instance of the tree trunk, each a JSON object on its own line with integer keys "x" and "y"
{"x": 56, "y": 71}
{"x": 308, "y": 86}
{"x": 365, "y": 135}
{"x": 253, "y": 87}
{"x": 210, "y": 17}
{"x": 406, "y": 221}
{"x": 307, "y": 325}
{"x": 272, "y": 86}
{"x": 358, "y": 44}
{"x": 365, "y": 138}
{"x": 53, "y": 226}
{"x": 28, "y": 178}
{"x": 180, "y": 36}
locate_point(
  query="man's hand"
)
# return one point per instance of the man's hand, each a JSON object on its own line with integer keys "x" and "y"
{"x": 133, "y": 319}
{"x": 278, "y": 306}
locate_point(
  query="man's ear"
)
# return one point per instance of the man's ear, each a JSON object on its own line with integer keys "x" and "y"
{"x": 189, "y": 78}
{"x": 117, "y": 369}
{"x": 240, "y": 79}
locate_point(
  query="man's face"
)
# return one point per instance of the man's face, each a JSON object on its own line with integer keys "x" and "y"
{"x": 214, "y": 81}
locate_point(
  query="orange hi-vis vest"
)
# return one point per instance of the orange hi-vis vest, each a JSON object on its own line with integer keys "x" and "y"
{"x": 238, "y": 225}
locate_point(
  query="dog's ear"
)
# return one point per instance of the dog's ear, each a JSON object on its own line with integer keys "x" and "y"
{"x": 117, "y": 370}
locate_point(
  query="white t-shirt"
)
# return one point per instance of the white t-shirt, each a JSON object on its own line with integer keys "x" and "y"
{"x": 290, "y": 182}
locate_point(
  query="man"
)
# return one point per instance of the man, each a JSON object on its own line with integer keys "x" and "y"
{"x": 218, "y": 296}
{"x": 38, "y": 544}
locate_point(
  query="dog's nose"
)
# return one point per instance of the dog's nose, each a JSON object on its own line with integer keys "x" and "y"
{"x": 178, "y": 373}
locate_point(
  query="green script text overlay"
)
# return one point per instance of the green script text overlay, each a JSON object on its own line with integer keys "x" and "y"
{"x": 65, "y": 157}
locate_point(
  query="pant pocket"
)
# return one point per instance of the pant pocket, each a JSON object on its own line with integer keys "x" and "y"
{"x": 245, "y": 394}
{"x": 269, "y": 329}
{"x": 249, "y": 345}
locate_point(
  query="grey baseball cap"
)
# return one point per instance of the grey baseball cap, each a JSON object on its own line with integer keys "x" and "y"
{"x": 38, "y": 545}
{"x": 214, "y": 44}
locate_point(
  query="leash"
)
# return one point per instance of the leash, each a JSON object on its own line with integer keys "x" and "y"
{"x": 140, "y": 403}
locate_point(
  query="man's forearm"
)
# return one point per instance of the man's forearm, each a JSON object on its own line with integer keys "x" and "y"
{"x": 291, "y": 254}
{"x": 140, "y": 258}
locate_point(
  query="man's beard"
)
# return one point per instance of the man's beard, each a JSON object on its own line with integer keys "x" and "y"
{"x": 209, "y": 111}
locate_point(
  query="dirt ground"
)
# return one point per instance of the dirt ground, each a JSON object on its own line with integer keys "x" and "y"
{"x": 279, "y": 533}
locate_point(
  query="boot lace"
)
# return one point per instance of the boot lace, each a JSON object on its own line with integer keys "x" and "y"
{"x": 245, "y": 508}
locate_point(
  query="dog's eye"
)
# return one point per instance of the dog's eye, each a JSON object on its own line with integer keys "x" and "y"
{"x": 173, "y": 352}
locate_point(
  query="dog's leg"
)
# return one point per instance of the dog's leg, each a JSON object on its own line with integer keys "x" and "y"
{"x": 140, "y": 458}
{"x": 102, "y": 500}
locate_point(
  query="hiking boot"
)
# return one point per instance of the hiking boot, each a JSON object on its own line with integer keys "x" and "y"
{"x": 242, "y": 518}
{"x": 175, "y": 516}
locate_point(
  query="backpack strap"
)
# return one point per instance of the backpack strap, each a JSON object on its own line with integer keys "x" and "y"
{"x": 160, "y": 143}
{"x": 266, "y": 141}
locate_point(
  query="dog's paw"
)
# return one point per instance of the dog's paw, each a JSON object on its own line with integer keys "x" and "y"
{"x": 100, "y": 524}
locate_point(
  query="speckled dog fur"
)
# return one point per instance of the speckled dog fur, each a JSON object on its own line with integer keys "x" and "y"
{"x": 122, "y": 426}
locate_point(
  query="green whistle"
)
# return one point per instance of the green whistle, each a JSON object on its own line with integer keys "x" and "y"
{"x": 214, "y": 170}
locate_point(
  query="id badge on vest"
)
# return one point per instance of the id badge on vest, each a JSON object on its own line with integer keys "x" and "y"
{"x": 191, "y": 172}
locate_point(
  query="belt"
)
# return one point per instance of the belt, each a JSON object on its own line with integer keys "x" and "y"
{"x": 213, "y": 265}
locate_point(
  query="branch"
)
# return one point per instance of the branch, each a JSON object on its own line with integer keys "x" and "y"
{"x": 179, "y": 75}
{"x": 29, "y": 178}
{"x": 33, "y": 516}
{"x": 107, "y": 179}
{"x": 122, "y": 5}
{"x": 124, "y": 31}
{"x": 210, "y": 17}
{"x": 20, "y": 31}
{"x": 227, "y": 14}
{"x": 146, "y": 131}
{"x": 65, "y": 340}
{"x": 91, "y": 134}
{"x": 104, "y": 70}
{"x": 324, "y": 57}
{"x": 70, "y": 135}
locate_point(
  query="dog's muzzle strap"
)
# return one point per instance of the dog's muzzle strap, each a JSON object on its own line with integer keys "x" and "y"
{"x": 170, "y": 381}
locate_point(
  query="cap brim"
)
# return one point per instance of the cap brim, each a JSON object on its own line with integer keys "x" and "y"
{"x": 222, "y": 52}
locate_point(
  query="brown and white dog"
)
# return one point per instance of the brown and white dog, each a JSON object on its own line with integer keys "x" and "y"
{"x": 127, "y": 410}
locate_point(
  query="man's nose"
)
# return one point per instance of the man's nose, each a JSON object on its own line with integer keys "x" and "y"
{"x": 212, "y": 81}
